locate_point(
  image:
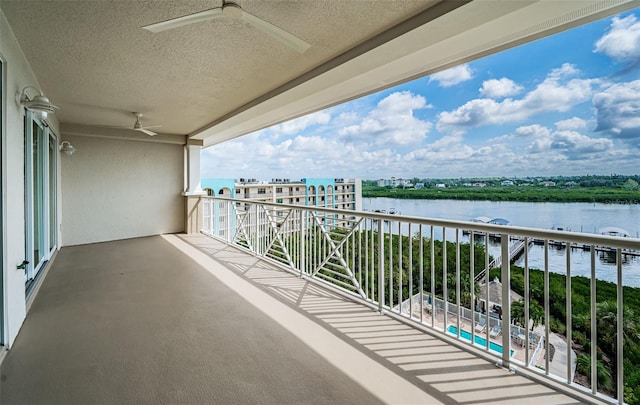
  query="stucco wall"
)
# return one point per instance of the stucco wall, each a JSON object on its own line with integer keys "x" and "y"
{"x": 18, "y": 75}
{"x": 119, "y": 189}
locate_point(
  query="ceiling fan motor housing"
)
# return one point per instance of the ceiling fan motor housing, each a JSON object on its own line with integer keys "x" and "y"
{"x": 232, "y": 10}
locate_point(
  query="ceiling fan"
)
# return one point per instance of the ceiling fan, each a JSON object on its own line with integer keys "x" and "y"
{"x": 137, "y": 126}
{"x": 232, "y": 10}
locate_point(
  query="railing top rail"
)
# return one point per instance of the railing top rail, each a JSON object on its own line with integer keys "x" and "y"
{"x": 508, "y": 230}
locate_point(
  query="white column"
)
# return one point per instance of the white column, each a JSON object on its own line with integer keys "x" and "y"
{"x": 192, "y": 168}
{"x": 192, "y": 187}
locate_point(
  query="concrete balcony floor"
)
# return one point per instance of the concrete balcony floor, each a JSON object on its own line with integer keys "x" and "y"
{"x": 185, "y": 319}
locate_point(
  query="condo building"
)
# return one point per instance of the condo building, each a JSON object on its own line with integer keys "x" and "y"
{"x": 339, "y": 193}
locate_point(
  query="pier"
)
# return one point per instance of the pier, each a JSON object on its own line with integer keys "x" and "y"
{"x": 517, "y": 248}
{"x": 515, "y": 251}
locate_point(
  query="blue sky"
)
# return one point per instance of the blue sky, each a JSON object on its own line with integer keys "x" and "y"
{"x": 564, "y": 105}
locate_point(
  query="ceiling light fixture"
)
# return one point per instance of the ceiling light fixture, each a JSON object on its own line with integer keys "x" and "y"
{"x": 38, "y": 104}
{"x": 67, "y": 148}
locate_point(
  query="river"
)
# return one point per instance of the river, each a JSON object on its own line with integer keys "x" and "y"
{"x": 577, "y": 217}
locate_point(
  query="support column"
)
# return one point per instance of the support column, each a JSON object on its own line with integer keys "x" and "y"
{"x": 192, "y": 187}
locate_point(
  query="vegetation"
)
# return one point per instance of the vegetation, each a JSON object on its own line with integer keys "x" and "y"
{"x": 606, "y": 311}
{"x": 404, "y": 273}
{"x": 602, "y": 189}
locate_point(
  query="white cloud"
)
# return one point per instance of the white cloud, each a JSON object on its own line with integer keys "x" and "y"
{"x": 534, "y": 131}
{"x": 573, "y": 123}
{"x": 453, "y": 76}
{"x": 391, "y": 122}
{"x": 301, "y": 123}
{"x": 618, "y": 110}
{"x": 570, "y": 145}
{"x": 622, "y": 41}
{"x": 499, "y": 88}
{"x": 558, "y": 92}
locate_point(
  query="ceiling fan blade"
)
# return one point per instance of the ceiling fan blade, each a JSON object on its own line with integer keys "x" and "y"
{"x": 151, "y": 126}
{"x": 276, "y": 32}
{"x": 146, "y": 131}
{"x": 184, "y": 20}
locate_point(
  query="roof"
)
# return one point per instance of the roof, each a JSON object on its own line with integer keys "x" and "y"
{"x": 495, "y": 293}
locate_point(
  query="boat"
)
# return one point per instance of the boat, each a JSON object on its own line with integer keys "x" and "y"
{"x": 613, "y": 231}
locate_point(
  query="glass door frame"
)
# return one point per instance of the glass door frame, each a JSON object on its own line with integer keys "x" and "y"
{"x": 40, "y": 196}
{"x": 3, "y": 198}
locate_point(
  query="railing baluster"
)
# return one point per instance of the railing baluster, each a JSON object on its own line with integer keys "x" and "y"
{"x": 432, "y": 268}
{"x": 410, "y": 273}
{"x": 620, "y": 331}
{"x": 421, "y": 275}
{"x": 302, "y": 237}
{"x": 527, "y": 303}
{"x": 594, "y": 320}
{"x": 380, "y": 267}
{"x": 546, "y": 306}
{"x": 486, "y": 287}
{"x": 458, "y": 281}
{"x": 372, "y": 266}
{"x": 506, "y": 301}
{"x": 472, "y": 285}
{"x": 568, "y": 313}
{"x": 390, "y": 266}
{"x": 399, "y": 267}
{"x": 445, "y": 290}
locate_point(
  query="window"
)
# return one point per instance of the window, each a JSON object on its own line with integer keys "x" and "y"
{"x": 278, "y": 189}
{"x": 262, "y": 191}
{"x": 279, "y": 200}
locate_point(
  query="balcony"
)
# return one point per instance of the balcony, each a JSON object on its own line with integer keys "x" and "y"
{"x": 190, "y": 319}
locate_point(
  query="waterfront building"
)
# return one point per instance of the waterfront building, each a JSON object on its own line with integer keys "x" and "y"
{"x": 339, "y": 193}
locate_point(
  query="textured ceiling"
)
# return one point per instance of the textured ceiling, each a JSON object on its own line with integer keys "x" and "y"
{"x": 219, "y": 79}
{"x": 93, "y": 59}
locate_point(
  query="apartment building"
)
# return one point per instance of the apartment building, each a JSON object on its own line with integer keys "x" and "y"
{"x": 339, "y": 193}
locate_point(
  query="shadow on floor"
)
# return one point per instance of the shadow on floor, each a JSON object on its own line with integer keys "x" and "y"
{"x": 443, "y": 371}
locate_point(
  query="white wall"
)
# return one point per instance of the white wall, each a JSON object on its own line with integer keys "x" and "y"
{"x": 19, "y": 75}
{"x": 117, "y": 189}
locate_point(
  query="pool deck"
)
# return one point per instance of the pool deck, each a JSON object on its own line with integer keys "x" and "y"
{"x": 519, "y": 352}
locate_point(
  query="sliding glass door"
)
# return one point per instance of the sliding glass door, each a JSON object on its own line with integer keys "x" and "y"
{"x": 40, "y": 196}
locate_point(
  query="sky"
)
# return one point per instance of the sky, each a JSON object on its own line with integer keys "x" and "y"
{"x": 564, "y": 105}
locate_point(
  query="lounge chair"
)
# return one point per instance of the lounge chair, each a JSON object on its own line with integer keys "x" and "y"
{"x": 495, "y": 331}
{"x": 481, "y": 325}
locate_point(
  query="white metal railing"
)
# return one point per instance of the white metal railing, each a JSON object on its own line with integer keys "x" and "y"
{"x": 398, "y": 263}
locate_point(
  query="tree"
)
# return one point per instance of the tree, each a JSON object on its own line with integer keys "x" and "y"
{"x": 605, "y": 379}
{"x": 536, "y": 313}
{"x": 631, "y": 184}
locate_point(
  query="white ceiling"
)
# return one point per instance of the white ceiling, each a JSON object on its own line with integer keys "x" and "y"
{"x": 220, "y": 79}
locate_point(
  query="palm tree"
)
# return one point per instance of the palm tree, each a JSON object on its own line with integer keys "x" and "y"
{"x": 605, "y": 379}
{"x": 536, "y": 313}
{"x": 607, "y": 319}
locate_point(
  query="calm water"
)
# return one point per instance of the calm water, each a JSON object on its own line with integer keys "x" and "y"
{"x": 578, "y": 217}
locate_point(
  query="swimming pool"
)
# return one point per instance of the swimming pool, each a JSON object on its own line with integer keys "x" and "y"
{"x": 479, "y": 340}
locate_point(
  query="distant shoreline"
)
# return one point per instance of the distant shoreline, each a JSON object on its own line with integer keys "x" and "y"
{"x": 603, "y": 195}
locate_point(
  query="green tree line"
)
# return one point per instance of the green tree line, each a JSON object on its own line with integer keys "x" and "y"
{"x": 511, "y": 193}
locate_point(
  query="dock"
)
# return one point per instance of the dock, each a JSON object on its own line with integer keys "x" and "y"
{"x": 517, "y": 248}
